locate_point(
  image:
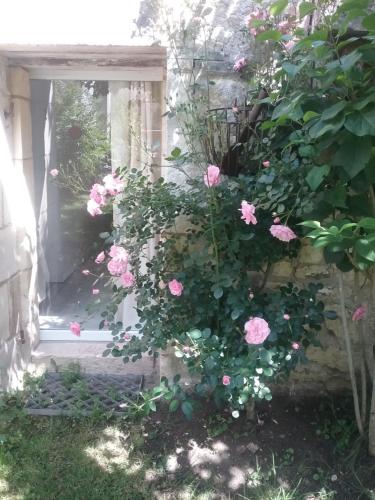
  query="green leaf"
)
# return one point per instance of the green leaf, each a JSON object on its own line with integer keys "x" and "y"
{"x": 366, "y": 248}
{"x": 334, "y": 110}
{"x": 361, "y": 123}
{"x": 314, "y": 224}
{"x": 236, "y": 313}
{"x": 306, "y": 8}
{"x": 336, "y": 196}
{"x": 269, "y": 35}
{"x": 323, "y": 241}
{"x": 367, "y": 223}
{"x": 363, "y": 102}
{"x": 309, "y": 115}
{"x": 353, "y": 154}
{"x": 348, "y": 61}
{"x": 320, "y": 128}
{"x": 187, "y": 409}
{"x": 316, "y": 175}
{"x": 291, "y": 69}
{"x": 173, "y": 405}
{"x": 195, "y": 334}
{"x": 369, "y": 22}
{"x": 152, "y": 405}
{"x": 218, "y": 292}
{"x": 176, "y": 152}
{"x": 307, "y": 151}
{"x": 278, "y": 7}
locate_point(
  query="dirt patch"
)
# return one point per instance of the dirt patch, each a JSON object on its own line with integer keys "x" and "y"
{"x": 310, "y": 442}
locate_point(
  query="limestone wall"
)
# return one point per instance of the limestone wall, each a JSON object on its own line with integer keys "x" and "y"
{"x": 18, "y": 331}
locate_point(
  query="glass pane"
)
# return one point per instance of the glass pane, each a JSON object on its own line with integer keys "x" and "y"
{"x": 71, "y": 148}
{"x": 81, "y": 131}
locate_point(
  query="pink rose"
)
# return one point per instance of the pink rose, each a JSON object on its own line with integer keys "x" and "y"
{"x": 85, "y": 272}
{"x": 259, "y": 15}
{"x": 98, "y": 194}
{"x": 289, "y": 46}
{"x": 127, "y": 279}
{"x": 127, "y": 337}
{"x": 295, "y": 346}
{"x": 75, "y": 328}
{"x": 54, "y": 172}
{"x": 359, "y": 313}
{"x": 119, "y": 262}
{"x": 100, "y": 257}
{"x": 266, "y": 164}
{"x": 118, "y": 253}
{"x": 93, "y": 208}
{"x": 282, "y": 232}
{"x": 276, "y": 220}
{"x": 175, "y": 287}
{"x": 95, "y": 291}
{"x": 284, "y": 27}
{"x": 257, "y": 330}
{"x": 248, "y": 212}
{"x": 240, "y": 64}
{"x": 226, "y": 380}
{"x": 286, "y": 317}
{"x": 212, "y": 176}
{"x": 112, "y": 184}
{"x": 117, "y": 267}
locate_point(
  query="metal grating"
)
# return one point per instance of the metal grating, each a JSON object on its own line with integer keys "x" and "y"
{"x": 84, "y": 394}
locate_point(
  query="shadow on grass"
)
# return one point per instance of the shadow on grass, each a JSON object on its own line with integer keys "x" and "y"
{"x": 169, "y": 458}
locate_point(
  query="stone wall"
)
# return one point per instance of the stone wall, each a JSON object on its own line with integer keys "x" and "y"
{"x": 18, "y": 313}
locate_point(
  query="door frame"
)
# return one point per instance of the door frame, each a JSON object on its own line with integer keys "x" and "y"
{"x": 90, "y": 62}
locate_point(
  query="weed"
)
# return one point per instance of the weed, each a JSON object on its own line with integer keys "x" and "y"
{"x": 217, "y": 425}
{"x": 339, "y": 429}
{"x": 71, "y": 374}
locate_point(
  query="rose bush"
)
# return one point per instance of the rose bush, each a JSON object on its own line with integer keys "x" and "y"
{"x": 204, "y": 290}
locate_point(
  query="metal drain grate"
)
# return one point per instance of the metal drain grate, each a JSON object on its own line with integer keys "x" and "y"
{"x": 86, "y": 394}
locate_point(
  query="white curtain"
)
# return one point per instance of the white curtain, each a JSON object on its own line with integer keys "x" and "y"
{"x": 135, "y": 121}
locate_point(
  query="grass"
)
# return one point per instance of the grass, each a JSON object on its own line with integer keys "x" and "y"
{"x": 73, "y": 459}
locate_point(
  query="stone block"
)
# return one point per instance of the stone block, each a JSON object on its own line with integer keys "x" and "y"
{"x": 15, "y": 317}
{"x": 4, "y": 311}
{"x": 8, "y": 253}
{"x": 314, "y": 272}
{"x": 283, "y": 269}
{"x": 310, "y": 255}
{"x": 14, "y": 359}
{"x": 26, "y": 248}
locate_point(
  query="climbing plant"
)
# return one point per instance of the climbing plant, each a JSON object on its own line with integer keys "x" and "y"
{"x": 204, "y": 292}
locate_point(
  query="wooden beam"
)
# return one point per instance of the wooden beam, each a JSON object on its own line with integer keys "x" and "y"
{"x": 106, "y": 62}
